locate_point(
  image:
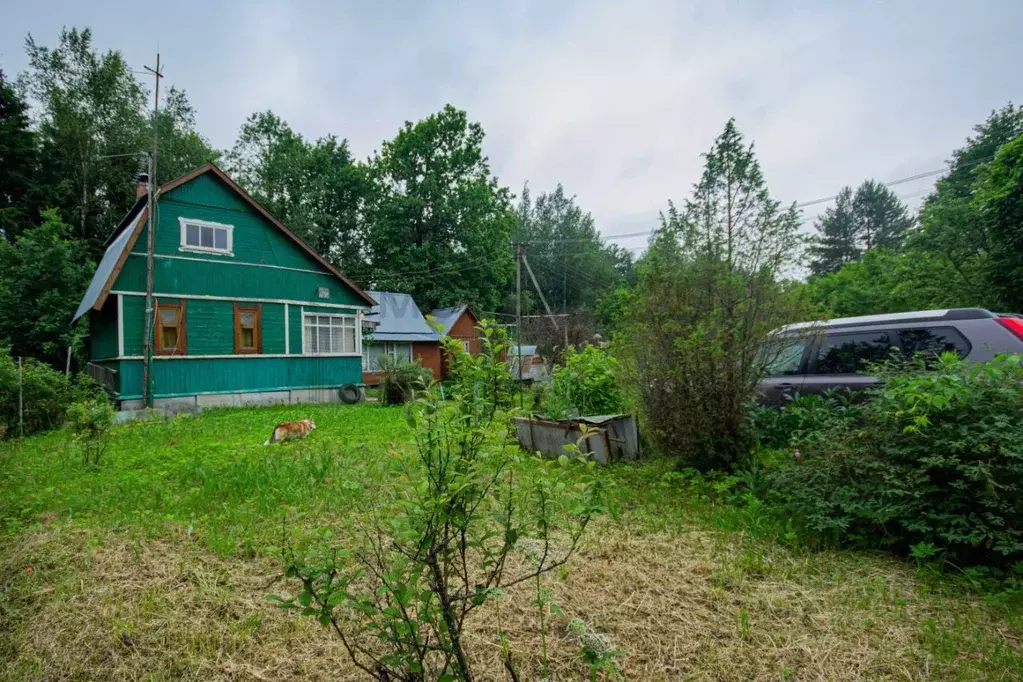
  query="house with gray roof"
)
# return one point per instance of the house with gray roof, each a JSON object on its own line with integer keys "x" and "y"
{"x": 400, "y": 330}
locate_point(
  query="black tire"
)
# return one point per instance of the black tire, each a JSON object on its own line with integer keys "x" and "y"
{"x": 350, "y": 394}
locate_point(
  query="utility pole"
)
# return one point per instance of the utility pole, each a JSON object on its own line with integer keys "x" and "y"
{"x": 147, "y": 339}
{"x": 518, "y": 313}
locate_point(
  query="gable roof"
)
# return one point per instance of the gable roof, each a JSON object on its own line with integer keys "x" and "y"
{"x": 111, "y": 263}
{"x": 107, "y": 272}
{"x": 397, "y": 318}
{"x": 446, "y": 317}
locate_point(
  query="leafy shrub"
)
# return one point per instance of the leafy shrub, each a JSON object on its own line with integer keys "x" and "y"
{"x": 398, "y": 591}
{"x": 933, "y": 459}
{"x": 485, "y": 375}
{"x": 400, "y": 379}
{"x": 91, "y": 421}
{"x": 47, "y": 394}
{"x": 586, "y": 383}
{"x": 779, "y": 427}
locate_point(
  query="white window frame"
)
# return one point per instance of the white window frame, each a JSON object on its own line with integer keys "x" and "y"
{"x": 391, "y": 349}
{"x": 344, "y": 320}
{"x": 185, "y": 246}
{"x": 467, "y": 345}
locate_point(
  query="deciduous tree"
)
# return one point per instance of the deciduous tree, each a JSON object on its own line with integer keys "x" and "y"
{"x": 439, "y": 223}
{"x": 17, "y": 162}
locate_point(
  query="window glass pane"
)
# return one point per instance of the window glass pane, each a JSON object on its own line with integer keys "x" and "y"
{"x": 846, "y": 353}
{"x": 248, "y": 338}
{"x": 191, "y": 235}
{"x": 349, "y": 338}
{"x": 207, "y": 237}
{"x": 220, "y": 238}
{"x": 323, "y": 340}
{"x": 337, "y": 344}
{"x": 247, "y": 319}
{"x": 168, "y": 316}
{"x": 310, "y": 339}
{"x": 933, "y": 341}
{"x": 168, "y": 338}
{"x": 784, "y": 359}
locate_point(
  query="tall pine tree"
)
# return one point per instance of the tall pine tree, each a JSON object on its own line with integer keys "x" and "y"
{"x": 838, "y": 234}
{"x": 882, "y": 220}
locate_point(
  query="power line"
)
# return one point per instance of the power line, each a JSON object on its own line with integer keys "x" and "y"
{"x": 798, "y": 205}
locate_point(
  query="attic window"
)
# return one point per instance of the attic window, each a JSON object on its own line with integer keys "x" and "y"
{"x": 324, "y": 292}
{"x": 205, "y": 237}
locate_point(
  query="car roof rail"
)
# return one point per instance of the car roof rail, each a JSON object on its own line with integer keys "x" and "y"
{"x": 944, "y": 315}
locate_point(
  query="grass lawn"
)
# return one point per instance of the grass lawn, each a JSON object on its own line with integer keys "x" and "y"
{"x": 155, "y": 565}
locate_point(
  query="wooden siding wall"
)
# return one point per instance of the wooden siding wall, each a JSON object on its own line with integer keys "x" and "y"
{"x": 183, "y": 376}
{"x": 103, "y": 331}
{"x": 255, "y": 242}
{"x": 465, "y": 328}
{"x": 210, "y": 323}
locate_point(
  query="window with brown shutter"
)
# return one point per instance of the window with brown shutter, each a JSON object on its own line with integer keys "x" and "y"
{"x": 170, "y": 329}
{"x": 248, "y": 329}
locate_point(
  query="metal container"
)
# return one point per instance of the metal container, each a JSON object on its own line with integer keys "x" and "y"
{"x": 616, "y": 436}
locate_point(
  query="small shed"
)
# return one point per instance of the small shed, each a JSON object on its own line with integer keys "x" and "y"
{"x": 533, "y": 366}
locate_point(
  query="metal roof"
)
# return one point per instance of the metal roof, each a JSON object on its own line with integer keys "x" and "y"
{"x": 398, "y": 319}
{"x": 446, "y": 317}
{"x": 106, "y": 267}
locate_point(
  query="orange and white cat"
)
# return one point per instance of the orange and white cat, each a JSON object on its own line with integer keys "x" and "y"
{"x": 288, "y": 430}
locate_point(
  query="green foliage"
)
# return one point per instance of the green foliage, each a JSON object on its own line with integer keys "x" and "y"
{"x": 613, "y": 309}
{"x": 91, "y": 422}
{"x": 17, "y": 162}
{"x": 485, "y": 375}
{"x": 886, "y": 282}
{"x": 398, "y": 594}
{"x": 46, "y": 394}
{"x": 964, "y": 252}
{"x": 585, "y": 384}
{"x": 437, "y": 211}
{"x": 43, "y": 276}
{"x": 315, "y": 188}
{"x": 932, "y": 457}
{"x": 707, "y": 301}
{"x": 571, "y": 261}
{"x": 836, "y": 242}
{"x": 400, "y": 379}
{"x": 999, "y": 201}
{"x": 882, "y": 219}
{"x": 780, "y": 427}
{"x": 872, "y": 219}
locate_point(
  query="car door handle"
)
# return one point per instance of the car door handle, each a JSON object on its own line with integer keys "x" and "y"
{"x": 785, "y": 386}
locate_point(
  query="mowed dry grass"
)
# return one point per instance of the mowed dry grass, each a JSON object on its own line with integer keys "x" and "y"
{"x": 105, "y": 607}
{"x": 156, "y": 566}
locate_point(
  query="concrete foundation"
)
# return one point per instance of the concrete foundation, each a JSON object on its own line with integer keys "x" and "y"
{"x": 196, "y": 403}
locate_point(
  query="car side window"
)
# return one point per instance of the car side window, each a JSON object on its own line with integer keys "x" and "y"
{"x": 847, "y": 353}
{"x": 932, "y": 341}
{"x": 785, "y": 358}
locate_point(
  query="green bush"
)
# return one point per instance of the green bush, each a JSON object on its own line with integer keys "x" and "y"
{"x": 779, "y": 427}
{"x": 586, "y": 384}
{"x": 46, "y": 392}
{"x": 400, "y": 379}
{"x": 91, "y": 420}
{"x": 933, "y": 459}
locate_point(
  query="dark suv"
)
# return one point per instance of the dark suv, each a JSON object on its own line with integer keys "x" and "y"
{"x": 817, "y": 356}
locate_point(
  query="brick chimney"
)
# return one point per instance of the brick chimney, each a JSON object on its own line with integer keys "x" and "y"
{"x": 143, "y": 187}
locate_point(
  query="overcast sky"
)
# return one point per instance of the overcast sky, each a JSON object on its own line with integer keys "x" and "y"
{"x": 615, "y": 100}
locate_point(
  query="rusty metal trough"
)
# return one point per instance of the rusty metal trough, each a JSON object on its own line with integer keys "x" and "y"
{"x": 616, "y": 436}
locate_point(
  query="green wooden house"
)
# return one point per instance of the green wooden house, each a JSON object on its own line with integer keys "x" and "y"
{"x": 245, "y": 311}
